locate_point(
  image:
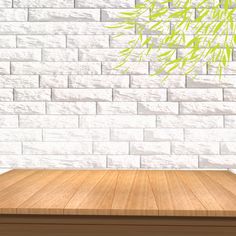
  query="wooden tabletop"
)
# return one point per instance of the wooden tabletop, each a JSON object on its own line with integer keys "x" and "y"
{"x": 107, "y": 192}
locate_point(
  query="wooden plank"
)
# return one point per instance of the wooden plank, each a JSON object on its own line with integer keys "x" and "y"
{"x": 88, "y": 190}
{"x": 122, "y": 192}
{"x": 184, "y": 201}
{"x": 161, "y": 192}
{"x": 28, "y": 206}
{"x": 191, "y": 181}
{"x": 98, "y": 198}
{"x": 14, "y": 195}
{"x": 54, "y": 201}
{"x": 227, "y": 180}
{"x": 12, "y": 177}
{"x": 118, "y": 220}
{"x": 226, "y": 199}
{"x": 115, "y": 230}
{"x": 141, "y": 199}
{"x": 114, "y": 225}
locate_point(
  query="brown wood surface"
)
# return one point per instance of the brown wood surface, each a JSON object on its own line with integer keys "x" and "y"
{"x": 118, "y": 193}
{"x": 64, "y": 225}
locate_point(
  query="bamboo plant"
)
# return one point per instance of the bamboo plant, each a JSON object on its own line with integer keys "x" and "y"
{"x": 203, "y": 31}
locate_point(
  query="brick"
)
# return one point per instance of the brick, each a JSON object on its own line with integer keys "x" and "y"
{"x": 158, "y": 108}
{"x": 32, "y": 94}
{"x": 4, "y": 68}
{"x": 10, "y": 148}
{"x": 169, "y": 161}
{"x": 183, "y": 52}
{"x": 146, "y": 81}
{"x": 99, "y": 81}
{"x": 195, "y": 148}
{"x": 113, "y": 55}
{"x": 57, "y": 148}
{"x": 117, "y": 121}
{"x": 32, "y": 68}
{"x": 64, "y": 54}
{"x": 105, "y": 4}
{"x": 123, "y": 161}
{"x": 64, "y": 15}
{"x": 230, "y": 95}
{"x": 63, "y": 161}
{"x": 53, "y": 81}
{"x": 87, "y": 41}
{"x": 61, "y": 28}
{"x": 111, "y": 148}
{"x": 122, "y": 41}
{"x": 195, "y": 95}
{"x": 14, "y": 135}
{"x": 48, "y": 121}
{"x": 54, "y": 161}
{"x": 6, "y": 95}
{"x": 163, "y": 135}
{"x": 116, "y": 108}
{"x": 199, "y": 68}
{"x": 230, "y": 121}
{"x": 108, "y": 68}
{"x": 7, "y": 41}
{"x": 76, "y": 135}
{"x": 154, "y": 95}
{"x": 208, "y": 108}
{"x": 192, "y": 28}
{"x": 217, "y": 161}
{"x": 86, "y": 95}
{"x": 41, "y": 41}
{"x": 12, "y": 161}
{"x": 189, "y": 121}
{"x": 163, "y": 29}
{"x": 19, "y": 81}
{"x": 228, "y": 148}
{"x": 211, "y": 81}
{"x": 71, "y": 108}
{"x": 13, "y": 14}
{"x": 228, "y": 70}
{"x": 15, "y": 54}
{"x": 22, "y": 108}
{"x": 194, "y": 3}
{"x": 6, "y": 3}
{"x": 215, "y": 40}
{"x": 208, "y": 135}
{"x": 8, "y": 121}
{"x": 109, "y": 55}
{"x": 44, "y": 3}
{"x": 157, "y": 39}
{"x": 149, "y": 148}
{"x": 127, "y": 134}
{"x": 115, "y": 15}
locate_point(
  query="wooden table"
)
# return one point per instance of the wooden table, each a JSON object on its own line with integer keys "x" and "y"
{"x": 106, "y": 202}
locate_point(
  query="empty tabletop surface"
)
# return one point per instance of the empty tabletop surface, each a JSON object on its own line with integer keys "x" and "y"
{"x": 109, "y": 192}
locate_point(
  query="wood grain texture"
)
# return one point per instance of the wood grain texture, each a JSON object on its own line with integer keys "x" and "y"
{"x": 119, "y": 193}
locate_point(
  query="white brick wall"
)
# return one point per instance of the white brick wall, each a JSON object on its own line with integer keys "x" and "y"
{"x": 63, "y": 105}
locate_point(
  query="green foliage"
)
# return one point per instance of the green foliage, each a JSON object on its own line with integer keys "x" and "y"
{"x": 210, "y": 41}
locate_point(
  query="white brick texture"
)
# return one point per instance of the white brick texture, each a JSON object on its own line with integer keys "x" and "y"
{"x": 63, "y": 104}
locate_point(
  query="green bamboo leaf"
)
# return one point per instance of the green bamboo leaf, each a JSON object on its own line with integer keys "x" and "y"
{"x": 146, "y": 42}
{"x": 228, "y": 51}
{"x": 217, "y": 28}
